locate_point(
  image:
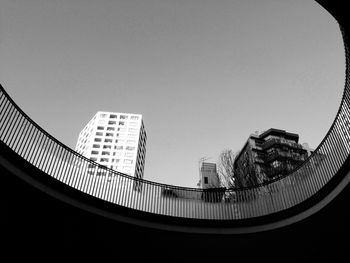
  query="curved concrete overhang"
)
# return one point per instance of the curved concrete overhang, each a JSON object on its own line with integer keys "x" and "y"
{"x": 15, "y": 165}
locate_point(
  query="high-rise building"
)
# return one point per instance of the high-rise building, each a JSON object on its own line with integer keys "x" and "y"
{"x": 272, "y": 153}
{"x": 115, "y": 140}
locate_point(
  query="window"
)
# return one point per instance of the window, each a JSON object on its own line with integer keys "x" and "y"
{"x": 134, "y": 117}
{"x": 107, "y": 146}
{"x": 100, "y": 128}
{"x": 128, "y": 154}
{"x": 93, "y": 159}
{"x": 98, "y": 139}
{"x": 131, "y": 141}
{"x": 101, "y": 122}
{"x": 109, "y": 134}
{"x": 122, "y": 123}
{"x": 205, "y": 180}
{"x": 103, "y": 115}
{"x": 108, "y": 140}
{"x": 99, "y": 133}
{"x": 123, "y": 117}
{"x": 105, "y": 153}
{"x": 118, "y": 147}
{"x": 130, "y": 148}
{"x": 94, "y": 152}
{"x": 110, "y": 129}
{"x": 113, "y": 116}
{"x": 270, "y": 151}
{"x": 96, "y": 146}
{"x": 127, "y": 161}
{"x": 122, "y": 129}
{"x": 275, "y": 164}
{"x": 259, "y": 144}
{"x": 103, "y": 160}
{"x": 112, "y": 122}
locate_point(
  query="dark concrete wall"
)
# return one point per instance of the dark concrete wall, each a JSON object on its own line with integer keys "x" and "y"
{"x": 37, "y": 224}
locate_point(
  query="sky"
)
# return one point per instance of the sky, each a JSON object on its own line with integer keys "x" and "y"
{"x": 204, "y": 74}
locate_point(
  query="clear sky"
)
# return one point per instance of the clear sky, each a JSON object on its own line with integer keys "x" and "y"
{"x": 204, "y": 74}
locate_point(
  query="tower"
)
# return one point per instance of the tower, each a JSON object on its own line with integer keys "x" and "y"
{"x": 116, "y": 141}
{"x": 208, "y": 176}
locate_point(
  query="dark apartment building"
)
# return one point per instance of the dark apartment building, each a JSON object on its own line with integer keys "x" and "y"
{"x": 272, "y": 153}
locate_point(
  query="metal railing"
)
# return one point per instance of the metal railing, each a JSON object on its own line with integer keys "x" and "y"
{"x": 43, "y": 151}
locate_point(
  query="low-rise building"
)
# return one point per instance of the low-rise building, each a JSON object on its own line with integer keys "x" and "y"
{"x": 209, "y": 177}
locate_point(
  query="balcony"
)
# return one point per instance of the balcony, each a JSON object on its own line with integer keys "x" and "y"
{"x": 285, "y": 155}
{"x": 268, "y": 144}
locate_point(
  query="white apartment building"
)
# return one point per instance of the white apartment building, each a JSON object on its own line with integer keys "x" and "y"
{"x": 115, "y": 140}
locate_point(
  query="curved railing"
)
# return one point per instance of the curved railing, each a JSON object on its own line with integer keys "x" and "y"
{"x": 32, "y": 143}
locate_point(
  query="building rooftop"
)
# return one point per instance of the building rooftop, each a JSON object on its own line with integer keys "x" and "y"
{"x": 278, "y": 132}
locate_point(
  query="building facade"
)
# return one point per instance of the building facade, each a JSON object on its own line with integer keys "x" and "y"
{"x": 268, "y": 155}
{"x": 116, "y": 141}
{"x": 209, "y": 177}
